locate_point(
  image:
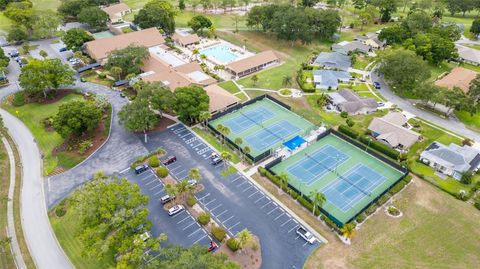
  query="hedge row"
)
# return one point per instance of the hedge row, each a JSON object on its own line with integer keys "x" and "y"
{"x": 348, "y": 131}
{"x": 232, "y": 244}
{"x": 141, "y": 159}
{"x": 367, "y": 140}
{"x": 219, "y": 233}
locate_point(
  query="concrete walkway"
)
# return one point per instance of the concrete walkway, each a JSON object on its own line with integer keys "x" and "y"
{"x": 17, "y": 254}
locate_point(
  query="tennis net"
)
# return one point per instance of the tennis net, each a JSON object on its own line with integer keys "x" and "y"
{"x": 259, "y": 124}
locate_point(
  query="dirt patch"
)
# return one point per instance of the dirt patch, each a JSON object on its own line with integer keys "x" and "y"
{"x": 248, "y": 258}
{"x": 53, "y": 97}
{"x": 162, "y": 125}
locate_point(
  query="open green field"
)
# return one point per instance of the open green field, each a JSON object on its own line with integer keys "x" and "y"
{"x": 66, "y": 229}
{"x": 32, "y": 115}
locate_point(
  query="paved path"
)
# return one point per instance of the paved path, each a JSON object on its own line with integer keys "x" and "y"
{"x": 17, "y": 254}
{"x": 448, "y": 124}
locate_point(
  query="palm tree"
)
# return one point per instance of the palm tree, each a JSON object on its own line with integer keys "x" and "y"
{"x": 171, "y": 190}
{"x": 255, "y": 79}
{"x": 195, "y": 52}
{"x": 238, "y": 141}
{"x": 224, "y": 130}
{"x": 204, "y": 117}
{"x": 318, "y": 199}
{"x": 287, "y": 80}
{"x": 116, "y": 72}
{"x": 194, "y": 173}
{"x": 348, "y": 230}
{"x": 284, "y": 179}
{"x": 226, "y": 156}
{"x": 183, "y": 187}
{"x": 203, "y": 57}
{"x": 243, "y": 237}
{"x": 246, "y": 151}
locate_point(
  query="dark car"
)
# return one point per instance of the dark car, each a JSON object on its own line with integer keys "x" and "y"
{"x": 216, "y": 160}
{"x": 376, "y": 85}
{"x": 141, "y": 168}
{"x": 63, "y": 49}
{"x": 169, "y": 160}
{"x": 14, "y": 53}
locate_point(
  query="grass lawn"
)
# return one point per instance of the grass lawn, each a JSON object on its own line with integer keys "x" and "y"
{"x": 472, "y": 122}
{"x": 216, "y": 144}
{"x": 6, "y": 23}
{"x": 66, "y": 229}
{"x": 292, "y": 57}
{"x": 220, "y": 21}
{"x": 473, "y": 46}
{"x": 243, "y": 97}
{"x": 361, "y": 62}
{"x": 435, "y": 231}
{"x": 6, "y": 257}
{"x": 229, "y": 86}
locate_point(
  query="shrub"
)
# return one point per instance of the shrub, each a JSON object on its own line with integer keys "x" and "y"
{"x": 384, "y": 198}
{"x": 294, "y": 194}
{"x": 60, "y": 211}
{"x": 350, "y": 122}
{"x": 477, "y": 204}
{"x": 397, "y": 187}
{"x": 160, "y": 151}
{"x": 232, "y": 244}
{"x": 162, "y": 172}
{"x": 153, "y": 161}
{"x": 407, "y": 179}
{"x": 344, "y": 114}
{"x": 329, "y": 222}
{"x": 348, "y": 131}
{"x": 361, "y": 217}
{"x": 191, "y": 200}
{"x": 262, "y": 171}
{"x": 369, "y": 211}
{"x": 18, "y": 98}
{"x": 464, "y": 196}
{"x": 102, "y": 75}
{"x": 467, "y": 142}
{"x": 467, "y": 178}
{"x": 204, "y": 218}
{"x": 367, "y": 140}
{"x": 84, "y": 146}
{"x": 219, "y": 233}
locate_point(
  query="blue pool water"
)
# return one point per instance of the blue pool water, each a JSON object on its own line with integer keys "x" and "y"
{"x": 220, "y": 53}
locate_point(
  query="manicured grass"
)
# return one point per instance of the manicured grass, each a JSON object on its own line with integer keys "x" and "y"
{"x": 473, "y": 46}
{"x": 217, "y": 145}
{"x": 32, "y": 115}
{"x": 243, "y": 97}
{"x": 229, "y": 86}
{"x": 472, "y": 122}
{"x": 134, "y": 4}
{"x": 6, "y": 23}
{"x": 362, "y": 62}
{"x": 220, "y": 21}
{"x": 292, "y": 57}
{"x": 6, "y": 257}
{"x": 66, "y": 229}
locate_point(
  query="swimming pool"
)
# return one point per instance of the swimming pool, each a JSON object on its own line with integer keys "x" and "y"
{"x": 220, "y": 53}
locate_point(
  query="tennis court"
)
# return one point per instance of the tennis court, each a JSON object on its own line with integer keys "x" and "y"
{"x": 349, "y": 177}
{"x": 263, "y": 125}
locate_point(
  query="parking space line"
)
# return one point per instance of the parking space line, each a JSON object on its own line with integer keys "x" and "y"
{"x": 185, "y": 135}
{"x": 194, "y": 232}
{"x": 145, "y": 178}
{"x": 275, "y": 208}
{"x": 189, "y": 225}
{"x": 236, "y": 179}
{"x": 279, "y": 216}
{"x": 177, "y": 215}
{"x": 241, "y": 183}
{"x": 206, "y": 195}
{"x": 205, "y": 235}
{"x": 298, "y": 236}
{"x": 152, "y": 188}
{"x": 155, "y": 180}
{"x": 210, "y": 202}
{"x": 283, "y": 224}
{"x": 187, "y": 217}
{"x": 252, "y": 194}
{"x": 228, "y": 219}
{"x": 247, "y": 188}
{"x": 234, "y": 225}
{"x": 158, "y": 192}
{"x": 124, "y": 170}
{"x": 259, "y": 199}
{"x": 305, "y": 244}
{"x": 222, "y": 213}
{"x": 173, "y": 169}
{"x": 196, "y": 145}
{"x": 211, "y": 210}
{"x": 266, "y": 204}
{"x": 294, "y": 227}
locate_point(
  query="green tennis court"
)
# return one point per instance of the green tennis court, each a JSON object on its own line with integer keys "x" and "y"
{"x": 263, "y": 125}
{"x": 349, "y": 177}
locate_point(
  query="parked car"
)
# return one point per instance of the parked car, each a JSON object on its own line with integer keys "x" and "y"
{"x": 380, "y": 104}
{"x": 376, "y": 85}
{"x": 141, "y": 168}
{"x": 216, "y": 160}
{"x": 192, "y": 182}
{"x": 306, "y": 235}
{"x": 14, "y": 53}
{"x": 166, "y": 198}
{"x": 213, "y": 247}
{"x": 169, "y": 160}
{"x": 175, "y": 210}
{"x": 62, "y": 49}
{"x": 145, "y": 236}
{"x": 363, "y": 80}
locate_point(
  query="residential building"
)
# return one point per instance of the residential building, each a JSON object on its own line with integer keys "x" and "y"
{"x": 371, "y": 40}
{"x": 346, "y": 100}
{"x": 452, "y": 160}
{"x": 100, "y": 48}
{"x": 117, "y": 11}
{"x": 333, "y": 60}
{"x": 468, "y": 55}
{"x": 349, "y": 47}
{"x": 394, "y": 131}
{"x": 329, "y": 79}
{"x": 220, "y": 99}
{"x": 459, "y": 77}
{"x": 252, "y": 64}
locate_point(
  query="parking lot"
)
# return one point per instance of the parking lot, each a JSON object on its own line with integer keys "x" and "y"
{"x": 234, "y": 202}
{"x": 182, "y": 228}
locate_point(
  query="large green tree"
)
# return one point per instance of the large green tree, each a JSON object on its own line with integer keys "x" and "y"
{"x": 403, "y": 70}
{"x": 45, "y": 24}
{"x": 432, "y": 47}
{"x": 128, "y": 59}
{"x": 393, "y": 34}
{"x": 386, "y": 8}
{"x": 417, "y": 22}
{"x": 76, "y": 118}
{"x": 20, "y": 12}
{"x": 475, "y": 28}
{"x": 17, "y": 34}
{"x": 4, "y": 60}
{"x": 75, "y": 38}
{"x": 43, "y": 76}
{"x": 199, "y": 22}
{"x": 159, "y": 97}
{"x": 71, "y": 8}
{"x": 157, "y": 13}
{"x": 190, "y": 103}
{"x": 94, "y": 16}
{"x": 137, "y": 116}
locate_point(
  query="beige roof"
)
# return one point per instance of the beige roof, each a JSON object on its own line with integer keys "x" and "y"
{"x": 186, "y": 40}
{"x": 253, "y": 61}
{"x": 458, "y": 77}
{"x": 100, "y": 48}
{"x": 392, "y": 133}
{"x": 220, "y": 98}
{"x": 396, "y": 118}
{"x": 115, "y": 10}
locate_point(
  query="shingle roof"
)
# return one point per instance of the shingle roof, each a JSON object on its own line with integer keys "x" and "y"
{"x": 389, "y": 128}
{"x": 186, "y": 40}
{"x": 468, "y": 54}
{"x": 333, "y": 60}
{"x": 253, "y": 61}
{"x": 100, "y": 48}
{"x": 454, "y": 157}
{"x": 351, "y": 103}
{"x": 220, "y": 98}
{"x": 459, "y": 77}
{"x": 113, "y": 10}
{"x": 330, "y": 78}
{"x": 351, "y": 46}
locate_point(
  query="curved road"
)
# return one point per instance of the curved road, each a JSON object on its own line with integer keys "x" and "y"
{"x": 449, "y": 123}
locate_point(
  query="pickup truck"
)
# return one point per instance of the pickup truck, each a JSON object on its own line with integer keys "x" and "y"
{"x": 306, "y": 235}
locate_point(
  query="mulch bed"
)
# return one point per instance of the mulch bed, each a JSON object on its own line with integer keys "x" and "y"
{"x": 60, "y": 94}
{"x": 162, "y": 125}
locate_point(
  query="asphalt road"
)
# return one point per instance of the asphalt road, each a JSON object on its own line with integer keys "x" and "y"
{"x": 234, "y": 202}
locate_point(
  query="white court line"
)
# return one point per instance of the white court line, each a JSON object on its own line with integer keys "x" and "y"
{"x": 227, "y": 219}
{"x": 294, "y": 227}
{"x": 194, "y": 232}
{"x": 234, "y": 225}
{"x": 252, "y": 194}
{"x": 283, "y": 224}
{"x": 152, "y": 188}
{"x": 266, "y": 204}
{"x": 199, "y": 239}
{"x": 279, "y": 216}
{"x": 222, "y": 213}
{"x": 187, "y": 217}
{"x": 272, "y": 210}
{"x": 189, "y": 225}
{"x": 211, "y": 210}
{"x": 210, "y": 202}
{"x": 247, "y": 188}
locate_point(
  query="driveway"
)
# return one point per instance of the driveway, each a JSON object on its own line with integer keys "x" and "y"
{"x": 449, "y": 124}
{"x": 234, "y": 202}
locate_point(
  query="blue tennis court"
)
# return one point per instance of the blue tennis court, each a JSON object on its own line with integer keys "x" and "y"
{"x": 269, "y": 136}
{"x": 312, "y": 167}
{"x": 346, "y": 191}
{"x": 245, "y": 120}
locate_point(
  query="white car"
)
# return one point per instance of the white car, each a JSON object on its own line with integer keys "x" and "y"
{"x": 192, "y": 182}
{"x": 306, "y": 235}
{"x": 175, "y": 210}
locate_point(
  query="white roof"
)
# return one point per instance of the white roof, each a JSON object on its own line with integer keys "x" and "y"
{"x": 197, "y": 76}
{"x": 166, "y": 56}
